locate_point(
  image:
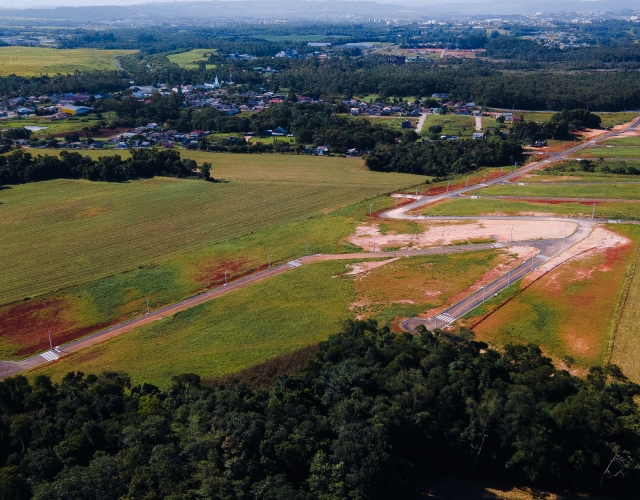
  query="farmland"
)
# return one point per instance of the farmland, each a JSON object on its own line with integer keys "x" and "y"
{"x": 465, "y": 207}
{"x": 570, "y": 311}
{"x": 31, "y": 61}
{"x": 78, "y": 231}
{"x": 192, "y": 58}
{"x": 459, "y": 125}
{"x": 610, "y": 190}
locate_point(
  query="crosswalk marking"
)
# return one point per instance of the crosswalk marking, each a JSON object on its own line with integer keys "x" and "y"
{"x": 295, "y": 263}
{"x": 49, "y": 356}
{"x": 497, "y": 245}
{"x": 542, "y": 257}
{"x": 445, "y": 317}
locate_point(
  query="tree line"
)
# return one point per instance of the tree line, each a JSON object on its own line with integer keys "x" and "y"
{"x": 443, "y": 158}
{"x": 372, "y": 416}
{"x": 19, "y": 166}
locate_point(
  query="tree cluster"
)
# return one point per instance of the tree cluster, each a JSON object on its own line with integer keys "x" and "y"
{"x": 20, "y": 167}
{"x": 371, "y": 416}
{"x": 442, "y": 158}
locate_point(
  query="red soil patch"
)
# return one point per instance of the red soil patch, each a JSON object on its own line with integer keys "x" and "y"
{"x": 27, "y": 324}
{"x": 436, "y": 190}
{"x": 214, "y": 275}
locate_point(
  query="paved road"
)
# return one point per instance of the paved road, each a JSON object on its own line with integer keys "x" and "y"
{"x": 548, "y": 249}
{"x": 423, "y": 117}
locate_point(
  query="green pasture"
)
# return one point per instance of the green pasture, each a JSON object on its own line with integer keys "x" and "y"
{"x": 276, "y": 316}
{"x": 32, "y": 61}
{"x": 624, "y": 141}
{"x": 600, "y": 191}
{"x": 470, "y": 207}
{"x": 233, "y": 332}
{"x": 72, "y": 124}
{"x": 192, "y": 58}
{"x": 608, "y": 152}
{"x": 63, "y": 233}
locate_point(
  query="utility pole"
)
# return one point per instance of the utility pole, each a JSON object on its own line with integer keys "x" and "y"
{"x": 148, "y": 304}
{"x": 371, "y": 208}
{"x": 532, "y": 263}
{"x": 396, "y": 202}
{"x": 448, "y": 182}
{"x": 565, "y": 243}
{"x": 467, "y": 181}
{"x": 484, "y": 290}
{"x": 593, "y": 212}
{"x": 50, "y": 343}
{"x": 509, "y": 278}
{"x": 225, "y": 276}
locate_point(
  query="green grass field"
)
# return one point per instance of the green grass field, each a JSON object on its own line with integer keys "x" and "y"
{"x": 624, "y": 141}
{"x": 601, "y": 191}
{"x": 55, "y": 127}
{"x": 465, "y": 207}
{"x": 609, "y": 152}
{"x": 460, "y": 125}
{"x": 190, "y": 59}
{"x": 228, "y": 334}
{"x": 277, "y": 316}
{"x": 79, "y": 231}
{"x": 31, "y": 61}
{"x": 608, "y": 119}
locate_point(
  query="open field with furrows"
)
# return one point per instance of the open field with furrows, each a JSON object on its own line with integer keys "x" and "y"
{"x": 191, "y": 59}
{"x": 31, "y": 61}
{"x": 406, "y": 287}
{"x": 608, "y": 152}
{"x": 569, "y": 312}
{"x": 600, "y": 191}
{"x": 464, "y": 207}
{"x": 236, "y": 331}
{"x": 78, "y": 231}
{"x": 172, "y": 237}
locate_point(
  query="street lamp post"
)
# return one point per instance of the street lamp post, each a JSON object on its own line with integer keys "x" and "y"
{"x": 370, "y": 209}
{"x": 50, "y": 343}
{"x": 593, "y": 212}
{"x": 467, "y": 181}
{"x": 225, "y": 277}
{"x": 374, "y": 244}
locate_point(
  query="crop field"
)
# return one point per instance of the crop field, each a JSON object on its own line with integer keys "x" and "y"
{"x": 568, "y": 312}
{"x": 236, "y": 331}
{"x": 77, "y": 230}
{"x": 410, "y": 286}
{"x": 464, "y": 207}
{"x": 191, "y": 59}
{"x": 31, "y": 61}
{"x": 609, "y": 152}
{"x": 600, "y": 191}
{"x": 74, "y": 240}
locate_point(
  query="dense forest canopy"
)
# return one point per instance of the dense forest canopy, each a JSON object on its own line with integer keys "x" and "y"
{"x": 371, "y": 417}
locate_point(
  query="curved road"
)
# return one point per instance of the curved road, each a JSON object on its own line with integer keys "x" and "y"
{"x": 547, "y": 249}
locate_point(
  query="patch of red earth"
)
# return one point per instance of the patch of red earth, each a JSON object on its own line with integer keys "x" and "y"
{"x": 383, "y": 210}
{"x": 559, "y": 202}
{"x": 63, "y": 337}
{"x": 436, "y": 190}
{"x": 239, "y": 268}
{"x": 615, "y": 255}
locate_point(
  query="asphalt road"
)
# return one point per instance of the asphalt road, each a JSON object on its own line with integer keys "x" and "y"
{"x": 548, "y": 249}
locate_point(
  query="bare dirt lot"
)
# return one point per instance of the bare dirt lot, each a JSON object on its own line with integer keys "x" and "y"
{"x": 433, "y": 233}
